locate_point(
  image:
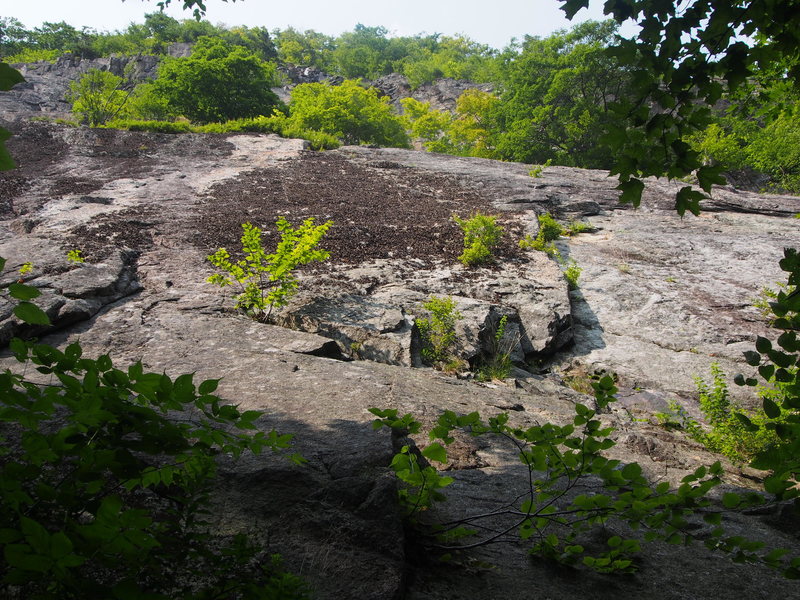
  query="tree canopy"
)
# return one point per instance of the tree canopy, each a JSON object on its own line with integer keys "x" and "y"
{"x": 684, "y": 57}
{"x": 348, "y": 111}
{"x": 557, "y": 97}
{"x": 218, "y": 82}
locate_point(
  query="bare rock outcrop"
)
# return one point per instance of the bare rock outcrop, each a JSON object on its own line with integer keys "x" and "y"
{"x": 46, "y": 85}
{"x": 69, "y": 292}
{"x": 371, "y": 309}
{"x": 660, "y": 299}
{"x": 441, "y": 93}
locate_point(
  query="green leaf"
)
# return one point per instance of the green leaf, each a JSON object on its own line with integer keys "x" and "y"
{"x": 209, "y": 386}
{"x": 60, "y": 545}
{"x": 104, "y": 362}
{"x": 21, "y": 557}
{"x": 767, "y": 372}
{"x": 731, "y": 500}
{"x": 781, "y": 359}
{"x": 20, "y": 291}
{"x": 9, "y": 77}
{"x": 775, "y": 554}
{"x": 436, "y": 452}
{"x": 771, "y": 409}
{"x": 632, "y": 471}
{"x": 753, "y": 358}
{"x": 606, "y": 382}
{"x": 73, "y": 351}
{"x": 251, "y": 415}
{"x": 707, "y": 176}
{"x": 763, "y": 345}
{"x": 183, "y": 388}
{"x": 745, "y": 421}
{"x": 571, "y": 7}
{"x": 31, "y": 314}
{"x": 688, "y": 199}
{"x": 788, "y": 340}
{"x": 631, "y": 191}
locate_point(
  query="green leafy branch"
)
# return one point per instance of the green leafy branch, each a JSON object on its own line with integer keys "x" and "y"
{"x": 726, "y": 432}
{"x": 106, "y": 475}
{"x": 778, "y": 362}
{"x": 555, "y": 513}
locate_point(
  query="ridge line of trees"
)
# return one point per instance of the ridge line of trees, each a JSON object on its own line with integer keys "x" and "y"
{"x": 563, "y": 99}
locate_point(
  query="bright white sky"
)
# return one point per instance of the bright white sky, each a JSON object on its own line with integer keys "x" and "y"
{"x": 492, "y": 22}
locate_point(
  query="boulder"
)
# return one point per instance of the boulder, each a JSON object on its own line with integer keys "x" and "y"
{"x": 363, "y": 327}
{"x": 377, "y": 322}
{"x": 69, "y": 292}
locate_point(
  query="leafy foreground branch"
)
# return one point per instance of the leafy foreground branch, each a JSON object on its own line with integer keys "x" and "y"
{"x": 571, "y": 489}
{"x": 106, "y": 476}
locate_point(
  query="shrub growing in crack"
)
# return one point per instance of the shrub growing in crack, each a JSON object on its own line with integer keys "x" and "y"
{"x": 438, "y": 331}
{"x": 481, "y": 238}
{"x": 266, "y": 280}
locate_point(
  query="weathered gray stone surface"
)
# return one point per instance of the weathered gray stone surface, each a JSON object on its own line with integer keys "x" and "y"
{"x": 661, "y": 297}
{"x": 441, "y": 93}
{"x": 681, "y": 302}
{"x": 69, "y": 292}
{"x": 376, "y": 319}
{"x": 46, "y": 84}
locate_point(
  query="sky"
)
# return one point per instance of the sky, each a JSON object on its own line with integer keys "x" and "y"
{"x": 492, "y": 22}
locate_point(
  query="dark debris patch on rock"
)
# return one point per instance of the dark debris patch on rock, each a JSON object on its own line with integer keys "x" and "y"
{"x": 35, "y": 146}
{"x": 378, "y": 212}
{"x": 107, "y": 233}
{"x": 35, "y": 149}
{"x": 11, "y": 185}
{"x": 67, "y": 186}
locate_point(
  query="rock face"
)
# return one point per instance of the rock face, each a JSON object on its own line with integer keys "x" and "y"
{"x": 46, "y": 84}
{"x": 70, "y": 293}
{"x": 297, "y": 74}
{"x": 376, "y": 322}
{"x": 660, "y": 298}
{"x": 441, "y": 94}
